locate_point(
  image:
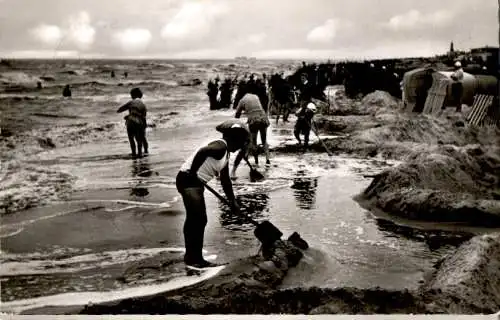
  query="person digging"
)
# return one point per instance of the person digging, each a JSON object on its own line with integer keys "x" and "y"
{"x": 203, "y": 165}
{"x": 304, "y": 123}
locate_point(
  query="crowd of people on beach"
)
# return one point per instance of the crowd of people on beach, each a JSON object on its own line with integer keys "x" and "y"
{"x": 257, "y": 98}
{"x": 212, "y": 159}
{"x": 254, "y": 98}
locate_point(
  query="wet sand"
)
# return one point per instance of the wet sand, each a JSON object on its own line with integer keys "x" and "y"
{"x": 122, "y": 213}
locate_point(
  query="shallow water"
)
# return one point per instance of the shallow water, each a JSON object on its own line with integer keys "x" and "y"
{"x": 122, "y": 211}
{"x": 127, "y": 210}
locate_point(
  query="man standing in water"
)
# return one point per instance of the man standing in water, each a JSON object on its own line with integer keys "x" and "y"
{"x": 204, "y": 164}
{"x": 135, "y": 122}
{"x": 66, "y": 91}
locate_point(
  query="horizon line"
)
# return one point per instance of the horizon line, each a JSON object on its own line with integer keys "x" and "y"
{"x": 249, "y": 60}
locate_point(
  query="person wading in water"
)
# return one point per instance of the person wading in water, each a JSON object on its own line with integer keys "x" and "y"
{"x": 258, "y": 122}
{"x": 304, "y": 122}
{"x": 204, "y": 164}
{"x": 135, "y": 122}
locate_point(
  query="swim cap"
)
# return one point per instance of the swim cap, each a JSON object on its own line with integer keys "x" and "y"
{"x": 311, "y": 106}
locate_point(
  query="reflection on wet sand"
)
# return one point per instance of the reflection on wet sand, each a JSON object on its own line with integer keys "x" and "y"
{"x": 251, "y": 205}
{"x": 304, "y": 190}
{"x": 434, "y": 239}
{"x": 140, "y": 168}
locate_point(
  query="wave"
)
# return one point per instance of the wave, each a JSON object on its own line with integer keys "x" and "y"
{"x": 155, "y": 65}
{"x": 18, "y": 78}
{"x": 15, "y": 265}
{"x": 24, "y": 186}
{"x": 12, "y": 229}
{"x": 111, "y": 83}
{"x": 167, "y": 83}
{"x": 76, "y": 72}
{"x": 83, "y": 298}
{"x": 52, "y": 115}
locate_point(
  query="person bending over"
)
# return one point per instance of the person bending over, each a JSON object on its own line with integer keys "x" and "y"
{"x": 204, "y": 164}
{"x": 257, "y": 122}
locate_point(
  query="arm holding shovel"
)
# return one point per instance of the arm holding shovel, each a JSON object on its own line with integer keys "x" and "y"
{"x": 216, "y": 150}
{"x": 227, "y": 186}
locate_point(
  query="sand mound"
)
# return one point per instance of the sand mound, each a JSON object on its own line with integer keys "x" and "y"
{"x": 451, "y": 172}
{"x": 228, "y": 292}
{"x": 468, "y": 280}
{"x": 396, "y": 135}
{"x": 381, "y": 99}
{"x": 450, "y": 184}
{"x": 341, "y": 105}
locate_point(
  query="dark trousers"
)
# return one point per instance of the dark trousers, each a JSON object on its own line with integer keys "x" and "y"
{"x": 191, "y": 191}
{"x": 457, "y": 91}
{"x": 137, "y": 134}
{"x": 302, "y": 127}
{"x": 214, "y": 104}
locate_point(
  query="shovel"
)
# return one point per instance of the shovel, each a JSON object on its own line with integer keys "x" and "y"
{"x": 266, "y": 232}
{"x": 317, "y": 135}
{"x": 254, "y": 174}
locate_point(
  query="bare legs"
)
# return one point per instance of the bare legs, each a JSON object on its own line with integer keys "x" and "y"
{"x": 253, "y": 148}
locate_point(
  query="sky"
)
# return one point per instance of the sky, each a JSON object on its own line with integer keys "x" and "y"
{"x": 265, "y": 29}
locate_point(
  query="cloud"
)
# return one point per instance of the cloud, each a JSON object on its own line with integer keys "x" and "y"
{"x": 42, "y": 54}
{"x": 296, "y": 53}
{"x": 256, "y": 38}
{"x": 252, "y": 39}
{"x": 414, "y": 19}
{"x": 385, "y": 50}
{"x": 133, "y": 39}
{"x": 80, "y": 31}
{"x": 201, "y": 54}
{"x": 77, "y": 30}
{"x": 193, "y": 20}
{"x": 48, "y": 34}
{"x": 324, "y": 33}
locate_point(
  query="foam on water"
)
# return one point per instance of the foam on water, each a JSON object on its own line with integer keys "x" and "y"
{"x": 10, "y": 266}
{"x": 83, "y": 298}
{"x": 11, "y": 229}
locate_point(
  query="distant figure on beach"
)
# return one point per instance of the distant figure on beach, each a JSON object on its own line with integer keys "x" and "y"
{"x": 456, "y": 86}
{"x": 203, "y": 165}
{"x": 125, "y": 74}
{"x": 39, "y": 85}
{"x": 226, "y": 93}
{"x": 304, "y": 122}
{"x": 240, "y": 91}
{"x": 112, "y": 74}
{"x": 135, "y": 122}
{"x": 257, "y": 122}
{"x": 212, "y": 93}
{"x": 260, "y": 89}
{"x": 281, "y": 96}
{"x": 66, "y": 91}
{"x": 306, "y": 90}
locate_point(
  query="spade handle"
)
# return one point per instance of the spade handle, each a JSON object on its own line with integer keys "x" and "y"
{"x": 221, "y": 198}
